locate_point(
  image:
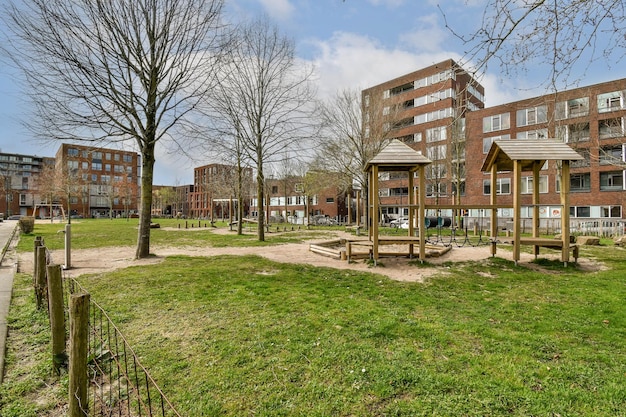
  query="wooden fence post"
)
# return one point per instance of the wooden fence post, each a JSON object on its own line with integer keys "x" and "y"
{"x": 38, "y": 242}
{"x": 79, "y": 330}
{"x": 57, "y": 317}
{"x": 40, "y": 277}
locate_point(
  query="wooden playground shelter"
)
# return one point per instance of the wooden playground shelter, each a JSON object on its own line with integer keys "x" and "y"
{"x": 519, "y": 156}
{"x": 396, "y": 157}
{"x": 514, "y": 156}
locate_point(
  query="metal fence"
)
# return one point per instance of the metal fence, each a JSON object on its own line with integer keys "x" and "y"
{"x": 118, "y": 384}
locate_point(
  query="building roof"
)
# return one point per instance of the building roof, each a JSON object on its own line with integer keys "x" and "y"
{"x": 398, "y": 156}
{"x": 504, "y": 152}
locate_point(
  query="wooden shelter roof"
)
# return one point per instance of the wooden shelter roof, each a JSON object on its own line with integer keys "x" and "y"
{"x": 528, "y": 152}
{"x": 398, "y": 156}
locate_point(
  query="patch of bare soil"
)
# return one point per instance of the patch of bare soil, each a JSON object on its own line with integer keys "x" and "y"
{"x": 90, "y": 261}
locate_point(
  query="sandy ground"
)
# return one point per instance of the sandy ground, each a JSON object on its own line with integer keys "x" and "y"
{"x": 89, "y": 261}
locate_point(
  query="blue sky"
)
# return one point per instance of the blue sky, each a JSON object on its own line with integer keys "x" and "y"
{"x": 351, "y": 43}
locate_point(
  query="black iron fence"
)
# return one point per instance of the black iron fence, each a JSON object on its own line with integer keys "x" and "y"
{"x": 106, "y": 378}
{"x": 118, "y": 384}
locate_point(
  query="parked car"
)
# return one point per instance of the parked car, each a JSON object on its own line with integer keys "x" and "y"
{"x": 400, "y": 223}
{"x": 15, "y": 217}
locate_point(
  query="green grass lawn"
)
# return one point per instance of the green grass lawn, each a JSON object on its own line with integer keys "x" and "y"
{"x": 238, "y": 336}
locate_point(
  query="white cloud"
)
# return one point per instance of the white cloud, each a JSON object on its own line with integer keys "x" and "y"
{"x": 348, "y": 60}
{"x": 429, "y": 36}
{"x": 280, "y": 10}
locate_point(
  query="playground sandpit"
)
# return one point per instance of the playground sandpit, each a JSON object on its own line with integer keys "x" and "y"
{"x": 336, "y": 249}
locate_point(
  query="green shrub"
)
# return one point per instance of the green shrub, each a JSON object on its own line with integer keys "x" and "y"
{"x": 27, "y": 225}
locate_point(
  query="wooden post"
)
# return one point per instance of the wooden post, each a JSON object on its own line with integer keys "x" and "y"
{"x": 536, "y": 219}
{"x": 421, "y": 214}
{"x": 38, "y": 242}
{"x": 494, "y": 210}
{"x": 68, "y": 246}
{"x": 517, "y": 209}
{"x": 565, "y": 232}
{"x": 57, "y": 317}
{"x": 373, "y": 210}
{"x": 79, "y": 329}
{"x": 40, "y": 277}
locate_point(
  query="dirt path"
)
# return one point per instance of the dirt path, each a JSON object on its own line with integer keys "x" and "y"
{"x": 89, "y": 261}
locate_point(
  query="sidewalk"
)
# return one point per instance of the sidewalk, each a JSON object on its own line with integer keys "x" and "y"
{"x": 8, "y": 267}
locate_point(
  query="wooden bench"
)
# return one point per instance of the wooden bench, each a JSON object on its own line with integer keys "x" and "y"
{"x": 383, "y": 240}
{"x": 548, "y": 243}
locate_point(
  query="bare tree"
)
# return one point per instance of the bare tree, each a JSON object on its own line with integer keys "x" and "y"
{"x": 561, "y": 35}
{"x": 266, "y": 96}
{"x": 71, "y": 182}
{"x": 49, "y": 188}
{"x": 117, "y": 71}
{"x": 354, "y": 132}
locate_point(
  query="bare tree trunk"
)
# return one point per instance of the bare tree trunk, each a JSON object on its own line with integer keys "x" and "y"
{"x": 145, "y": 216}
{"x": 260, "y": 192}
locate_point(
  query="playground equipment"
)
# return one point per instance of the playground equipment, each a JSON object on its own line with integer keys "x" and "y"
{"x": 513, "y": 156}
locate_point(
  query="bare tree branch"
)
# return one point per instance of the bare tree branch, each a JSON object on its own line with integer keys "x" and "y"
{"x": 117, "y": 71}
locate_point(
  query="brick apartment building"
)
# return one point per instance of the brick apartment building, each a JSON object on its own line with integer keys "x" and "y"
{"x": 19, "y": 185}
{"x": 215, "y": 189}
{"x": 428, "y": 109}
{"x": 106, "y": 181}
{"x": 590, "y": 119}
{"x": 442, "y": 115}
{"x": 286, "y": 200}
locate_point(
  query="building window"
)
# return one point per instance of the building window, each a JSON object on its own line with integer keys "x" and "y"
{"x": 72, "y": 152}
{"x": 435, "y": 115}
{"x": 96, "y": 166}
{"x": 582, "y": 211}
{"x": 85, "y": 165}
{"x": 527, "y": 185}
{"x": 610, "y": 128}
{"x": 417, "y": 137}
{"x": 97, "y": 155}
{"x": 611, "y": 155}
{"x": 533, "y": 134}
{"x": 579, "y": 182}
{"x": 573, "y": 133}
{"x": 436, "y": 153}
{"x": 128, "y": 158}
{"x": 576, "y": 107}
{"x": 503, "y": 186}
{"x": 612, "y": 181}
{"x": 330, "y": 200}
{"x": 611, "y": 211}
{"x": 436, "y": 134}
{"x": 610, "y": 101}
{"x": 107, "y": 167}
{"x": 71, "y": 165}
{"x": 437, "y": 190}
{"x": 488, "y": 141}
{"x": 585, "y": 162}
{"x": 532, "y": 116}
{"x": 496, "y": 122}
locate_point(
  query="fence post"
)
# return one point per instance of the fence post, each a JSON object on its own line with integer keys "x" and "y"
{"x": 68, "y": 246}
{"x": 79, "y": 330}
{"x": 38, "y": 242}
{"x": 40, "y": 277}
{"x": 57, "y": 317}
